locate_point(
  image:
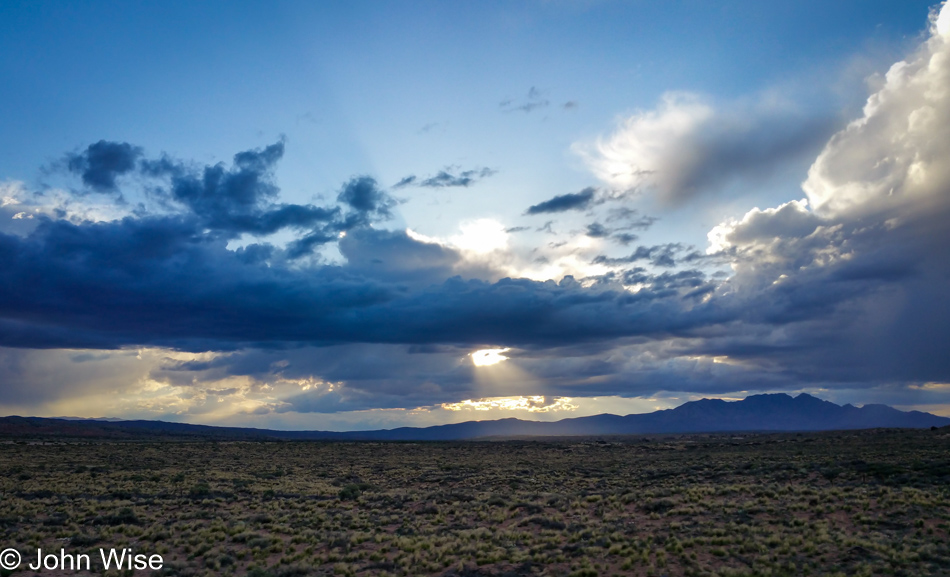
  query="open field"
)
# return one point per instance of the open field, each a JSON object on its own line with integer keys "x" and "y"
{"x": 853, "y": 503}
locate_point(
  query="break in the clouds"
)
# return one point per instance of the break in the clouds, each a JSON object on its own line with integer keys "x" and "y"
{"x": 688, "y": 146}
{"x": 162, "y": 287}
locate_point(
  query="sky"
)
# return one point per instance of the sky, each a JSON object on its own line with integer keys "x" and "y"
{"x": 360, "y": 215}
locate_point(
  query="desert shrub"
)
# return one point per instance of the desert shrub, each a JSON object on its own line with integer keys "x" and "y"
{"x": 352, "y": 491}
{"x": 657, "y": 505}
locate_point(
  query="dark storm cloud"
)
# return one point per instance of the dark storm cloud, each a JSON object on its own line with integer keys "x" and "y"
{"x": 395, "y": 256}
{"x": 238, "y": 199}
{"x": 168, "y": 278}
{"x": 242, "y": 198}
{"x": 101, "y": 163}
{"x": 163, "y": 281}
{"x": 564, "y": 202}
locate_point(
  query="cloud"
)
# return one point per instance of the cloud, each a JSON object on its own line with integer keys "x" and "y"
{"x": 228, "y": 201}
{"x": 365, "y": 198}
{"x": 686, "y": 147}
{"x": 101, "y": 163}
{"x": 663, "y": 255}
{"x": 851, "y": 276}
{"x": 405, "y": 181}
{"x": 397, "y": 257}
{"x": 625, "y": 218}
{"x": 243, "y": 198}
{"x": 620, "y": 220}
{"x": 164, "y": 281}
{"x": 597, "y": 230}
{"x": 896, "y": 152}
{"x": 447, "y": 178}
{"x": 431, "y": 126}
{"x": 534, "y": 100}
{"x": 843, "y": 290}
{"x": 564, "y": 202}
{"x": 464, "y": 178}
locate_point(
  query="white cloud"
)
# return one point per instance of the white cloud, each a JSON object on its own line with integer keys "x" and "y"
{"x": 643, "y": 144}
{"x": 886, "y": 169}
{"x": 896, "y": 153}
{"x": 792, "y": 219}
{"x": 486, "y": 250}
{"x": 686, "y": 146}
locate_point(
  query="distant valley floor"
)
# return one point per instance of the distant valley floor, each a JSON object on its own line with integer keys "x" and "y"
{"x": 846, "y": 503}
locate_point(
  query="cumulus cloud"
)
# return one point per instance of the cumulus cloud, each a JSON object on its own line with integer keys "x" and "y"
{"x": 850, "y": 277}
{"x": 895, "y": 154}
{"x": 687, "y": 146}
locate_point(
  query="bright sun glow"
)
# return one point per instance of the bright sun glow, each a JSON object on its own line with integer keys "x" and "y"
{"x": 486, "y": 357}
{"x": 481, "y": 236}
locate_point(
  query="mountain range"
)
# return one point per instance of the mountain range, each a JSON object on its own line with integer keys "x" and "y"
{"x": 768, "y": 412}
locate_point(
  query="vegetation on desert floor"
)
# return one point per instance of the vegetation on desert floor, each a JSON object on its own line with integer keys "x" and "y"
{"x": 847, "y": 503}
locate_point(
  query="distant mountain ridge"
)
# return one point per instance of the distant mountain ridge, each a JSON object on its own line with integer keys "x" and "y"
{"x": 767, "y": 412}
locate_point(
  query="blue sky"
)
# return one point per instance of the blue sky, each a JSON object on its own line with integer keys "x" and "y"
{"x": 646, "y": 151}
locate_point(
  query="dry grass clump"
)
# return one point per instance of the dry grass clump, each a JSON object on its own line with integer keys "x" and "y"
{"x": 854, "y": 503}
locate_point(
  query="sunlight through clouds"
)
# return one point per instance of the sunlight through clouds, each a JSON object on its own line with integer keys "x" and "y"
{"x": 488, "y": 357}
{"x": 531, "y": 404}
{"x": 481, "y": 236}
